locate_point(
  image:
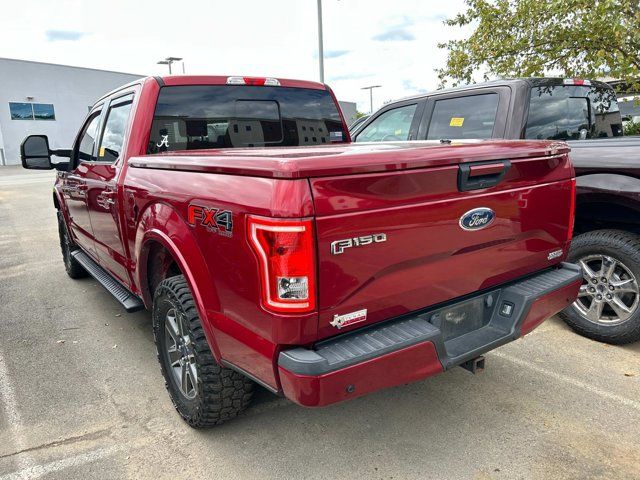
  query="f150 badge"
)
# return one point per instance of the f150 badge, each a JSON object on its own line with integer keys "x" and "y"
{"x": 477, "y": 218}
{"x": 339, "y": 246}
{"x": 213, "y": 219}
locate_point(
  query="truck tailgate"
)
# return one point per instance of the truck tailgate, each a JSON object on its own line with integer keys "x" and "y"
{"x": 400, "y": 242}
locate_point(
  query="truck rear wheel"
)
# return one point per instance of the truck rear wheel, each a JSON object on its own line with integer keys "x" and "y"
{"x": 608, "y": 306}
{"x": 203, "y": 392}
{"x": 71, "y": 265}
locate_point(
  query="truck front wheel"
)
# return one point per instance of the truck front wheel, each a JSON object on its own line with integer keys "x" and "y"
{"x": 608, "y": 306}
{"x": 203, "y": 392}
{"x": 71, "y": 265}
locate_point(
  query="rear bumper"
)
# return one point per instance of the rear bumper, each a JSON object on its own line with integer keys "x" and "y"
{"x": 413, "y": 347}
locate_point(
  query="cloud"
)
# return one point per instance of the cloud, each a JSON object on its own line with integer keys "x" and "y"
{"x": 439, "y": 17}
{"x": 332, "y": 53}
{"x": 335, "y": 53}
{"x": 349, "y": 76}
{"x": 395, "y": 35}
{"x": 64, "y": 35}
{"x": 397, "y": 30}
{"x": 412, "y": 89}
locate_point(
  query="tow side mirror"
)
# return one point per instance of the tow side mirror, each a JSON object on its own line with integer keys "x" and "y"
{"x": 36, "y": 155}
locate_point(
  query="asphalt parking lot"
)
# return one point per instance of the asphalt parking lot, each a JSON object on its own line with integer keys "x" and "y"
{"x": 81, "y": 395}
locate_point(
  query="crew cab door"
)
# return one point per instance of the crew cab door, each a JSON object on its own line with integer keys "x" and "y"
{"x": 74, "y": 185}
{"x": 470, "y": 114}
{"x": 102, "y": 189}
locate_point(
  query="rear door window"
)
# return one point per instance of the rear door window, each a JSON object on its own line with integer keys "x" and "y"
{"x": 471, "y": 116}
{"x": 195, "y": 117}
{"x": 392, "y": 125}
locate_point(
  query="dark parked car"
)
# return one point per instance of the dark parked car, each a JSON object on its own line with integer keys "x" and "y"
{"x": 584, "y": 113}
{"x": 357, "y": 122}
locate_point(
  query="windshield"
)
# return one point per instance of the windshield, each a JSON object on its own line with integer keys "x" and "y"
{"x": 232, "y": 116}
{"x": 571, "y": 112}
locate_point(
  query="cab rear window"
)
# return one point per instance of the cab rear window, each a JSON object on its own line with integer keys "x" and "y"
{"x": 573, "y": 112}
{"x": 240, "y": 116}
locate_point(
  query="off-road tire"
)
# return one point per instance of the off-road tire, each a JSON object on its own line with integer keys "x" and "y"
{"x": 71, "y": 265}
{"x": 221, "y": 393}
{"x": 624, "y": 247}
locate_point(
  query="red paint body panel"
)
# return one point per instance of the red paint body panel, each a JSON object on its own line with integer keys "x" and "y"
{"x": 406, "y": 190}
{"x": 427, "y": 258}
{"x": 403, "y": 366}
{"x": 549, "y": 305}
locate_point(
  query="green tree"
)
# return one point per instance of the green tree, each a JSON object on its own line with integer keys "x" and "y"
{"x": 522, "y": 38}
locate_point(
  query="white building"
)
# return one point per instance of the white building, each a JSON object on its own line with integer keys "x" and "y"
{"x": 48, "y": 99}
{"x": 349, "y": 111}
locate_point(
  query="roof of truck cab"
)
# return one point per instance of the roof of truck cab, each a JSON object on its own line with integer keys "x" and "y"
{"x": 532, "y": 81}
{"x": 185, "y": 80}
{"x": 173, "y": 80}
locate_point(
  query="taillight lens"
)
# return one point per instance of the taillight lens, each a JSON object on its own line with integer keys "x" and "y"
{"x": 287, "y": 262}
{"x": 572, "y": 210}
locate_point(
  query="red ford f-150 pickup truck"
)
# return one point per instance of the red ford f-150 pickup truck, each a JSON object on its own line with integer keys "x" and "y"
{"x": 271, "y": 250}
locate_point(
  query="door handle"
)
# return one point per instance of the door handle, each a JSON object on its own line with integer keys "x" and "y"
{"x": 106, "y": 198}
{"x": 74, "y": 188}
{"x": 478, "y": 175}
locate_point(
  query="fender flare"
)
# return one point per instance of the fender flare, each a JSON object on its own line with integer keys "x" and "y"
{"x": 161, "y": 223}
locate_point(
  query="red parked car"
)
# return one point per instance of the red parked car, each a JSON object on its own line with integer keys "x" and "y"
{"x": 271, "y": 250}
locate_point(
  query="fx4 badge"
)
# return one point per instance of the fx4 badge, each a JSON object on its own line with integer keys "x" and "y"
{"x": 339, "y": 246}
{"x": 213, "y": 219}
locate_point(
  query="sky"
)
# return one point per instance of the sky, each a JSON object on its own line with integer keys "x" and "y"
{"x": 374, "y": 42}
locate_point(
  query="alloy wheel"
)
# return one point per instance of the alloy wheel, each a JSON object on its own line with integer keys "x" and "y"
{"x": 181, "y": 354}
{"x": 609, "y": 294}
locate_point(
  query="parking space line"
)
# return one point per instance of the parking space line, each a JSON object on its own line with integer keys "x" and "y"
{"x": 37, "y": 471}
{"x": 627, "y": 402}
{"x": 12, "y": 414}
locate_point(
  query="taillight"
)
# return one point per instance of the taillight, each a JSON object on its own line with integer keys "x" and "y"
{"x": 572, "y": 209}
{"x": 287, "y": 263}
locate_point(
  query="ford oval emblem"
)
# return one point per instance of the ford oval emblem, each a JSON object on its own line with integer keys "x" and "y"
{"x": 477, "y": 218}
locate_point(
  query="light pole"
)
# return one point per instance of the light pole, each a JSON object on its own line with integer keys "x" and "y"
{"x": 169, "y": 60}
{"x": 320, "y": 46}
{"x": 370, "y": 88}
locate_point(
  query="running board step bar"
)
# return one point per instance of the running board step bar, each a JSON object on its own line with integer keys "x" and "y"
{"x": 129, "y": 301}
